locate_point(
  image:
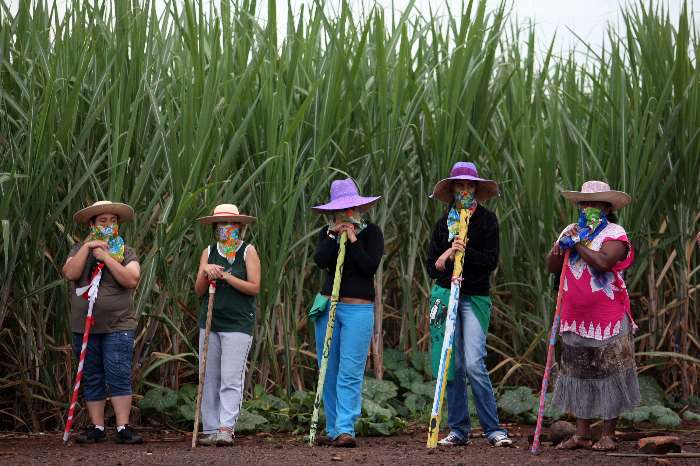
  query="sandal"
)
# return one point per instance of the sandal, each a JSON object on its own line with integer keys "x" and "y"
{"x": 606, "y": 443}
{"x": 574, "y": 443}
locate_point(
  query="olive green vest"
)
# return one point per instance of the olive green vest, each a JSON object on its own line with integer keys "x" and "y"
{"x": 233, "y": 310}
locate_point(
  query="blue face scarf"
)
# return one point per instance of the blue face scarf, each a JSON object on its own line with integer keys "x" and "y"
{"x": 463, "y": 200}
{"x": 591, "y": 221}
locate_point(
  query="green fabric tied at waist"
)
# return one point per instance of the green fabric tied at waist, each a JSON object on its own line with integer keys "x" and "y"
{"x": 439, "y": 300}
{"x": 318, "y": 307}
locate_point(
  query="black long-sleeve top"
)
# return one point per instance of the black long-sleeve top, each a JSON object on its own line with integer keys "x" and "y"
{"x": 362, "y": 260}
{"x": 480, "y": 256}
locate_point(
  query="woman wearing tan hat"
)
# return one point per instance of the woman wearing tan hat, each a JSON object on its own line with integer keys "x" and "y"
{"x": 598, "y": 375}
{"x": 107, "y": 368}
{"x": 465, "y": 189}
{"x": 235, "y": 266}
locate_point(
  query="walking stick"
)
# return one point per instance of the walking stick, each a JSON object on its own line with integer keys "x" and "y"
{"x": 88, "y": 292}
{"x": 329, "y": 336}
{"x": 203, "y": 365}
{"x": 550, "y": 359}
{"x": 448, "y": 339}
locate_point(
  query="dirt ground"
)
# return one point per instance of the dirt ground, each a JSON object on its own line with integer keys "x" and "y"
{"x": 166, "y": 448}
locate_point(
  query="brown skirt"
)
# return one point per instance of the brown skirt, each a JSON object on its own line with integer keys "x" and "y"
{"x": 597, "y": 381}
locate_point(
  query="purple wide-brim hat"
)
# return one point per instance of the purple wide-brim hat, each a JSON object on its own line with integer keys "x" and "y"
{"x": 485, "y": 189}
{"x": 344, "y": 195}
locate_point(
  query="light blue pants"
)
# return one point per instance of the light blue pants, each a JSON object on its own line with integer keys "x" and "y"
{"x": 342, "y": 392}
{"x": 470, "y": 352}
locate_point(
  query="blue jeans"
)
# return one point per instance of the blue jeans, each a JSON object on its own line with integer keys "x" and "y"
{"x": 107, "y": 364}
{"x": 470, "y": 353}
{"x": 342, "y": 391}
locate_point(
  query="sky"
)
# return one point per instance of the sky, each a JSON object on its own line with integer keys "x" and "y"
{"x": 563, "y": 19}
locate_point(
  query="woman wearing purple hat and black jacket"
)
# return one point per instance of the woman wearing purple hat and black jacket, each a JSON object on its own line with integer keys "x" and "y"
{"x": 464, "y": 189}
{"x": 354, "y": 318}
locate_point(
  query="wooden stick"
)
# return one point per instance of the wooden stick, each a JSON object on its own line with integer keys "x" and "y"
{"x": 203, "y": 365}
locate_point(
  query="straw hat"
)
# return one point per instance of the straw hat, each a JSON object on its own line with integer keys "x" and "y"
{"x": 485, "y": 189}
{"x": 345, "y": 195}
{"x": 598, "y": 191}
{"x": 123, "y": 212}
{"x": 226, "y": 213}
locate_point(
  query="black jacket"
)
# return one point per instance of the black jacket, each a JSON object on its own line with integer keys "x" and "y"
{"x": 362, "y": 260}
{"x": 480, "y": 256}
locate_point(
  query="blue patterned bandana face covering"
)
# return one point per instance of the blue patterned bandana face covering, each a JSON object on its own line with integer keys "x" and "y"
{"x": 229, "y": 238}
{"x": 463, "y": 200}
{"x": 591, "y": 221}
{"x": 110, "y": 235}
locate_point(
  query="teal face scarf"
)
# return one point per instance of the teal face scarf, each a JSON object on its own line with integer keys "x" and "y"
{"x": 110, "y": 235}
{"x": 463, "y": 200}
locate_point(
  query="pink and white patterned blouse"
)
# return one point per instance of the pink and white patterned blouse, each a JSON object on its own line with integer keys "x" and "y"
{"x": 594, "y": 303}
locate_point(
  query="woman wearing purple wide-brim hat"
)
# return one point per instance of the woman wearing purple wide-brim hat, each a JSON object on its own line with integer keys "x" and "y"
{"x": 354, "y": 315}
{"x": 465, "y": 189}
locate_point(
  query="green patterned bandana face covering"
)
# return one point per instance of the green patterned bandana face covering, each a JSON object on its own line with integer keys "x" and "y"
{"x": 348, "y": 216}
{"x": 594, "y": 215}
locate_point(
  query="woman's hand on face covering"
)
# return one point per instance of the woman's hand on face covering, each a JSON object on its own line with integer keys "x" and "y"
{"x": 349, "y": 228}
{"x": 96, "y": 244}
{"x": 213, "y": 271}
{"x": 100, "y": 253}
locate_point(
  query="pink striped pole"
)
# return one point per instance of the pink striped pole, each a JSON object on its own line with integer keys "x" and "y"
{"x": 89, "y": 292}
{"x": 550, "y": 359}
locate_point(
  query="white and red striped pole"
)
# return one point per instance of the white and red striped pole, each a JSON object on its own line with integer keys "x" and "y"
{"x": 88, "y": 292}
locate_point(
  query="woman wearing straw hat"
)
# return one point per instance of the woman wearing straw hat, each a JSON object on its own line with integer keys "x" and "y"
{"x": 342, "y": 391}
{"x": 107, "y": 368}
{"x": 597, "y": 375}
{"x": 235, "y": 266}
{"x": 464, "y": 189}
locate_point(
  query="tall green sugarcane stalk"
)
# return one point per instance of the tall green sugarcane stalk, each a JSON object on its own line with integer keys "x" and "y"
{"x": 328, "y": 338}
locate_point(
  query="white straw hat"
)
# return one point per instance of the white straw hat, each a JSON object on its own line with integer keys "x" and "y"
{"x": 226, "y": 213}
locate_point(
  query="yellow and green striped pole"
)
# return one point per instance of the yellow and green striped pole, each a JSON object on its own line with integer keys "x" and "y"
{"x": 448, "y": 339}
{"x": 329, "y": 336}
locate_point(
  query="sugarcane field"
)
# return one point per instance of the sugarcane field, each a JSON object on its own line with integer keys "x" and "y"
{"x": 359, "y": 231}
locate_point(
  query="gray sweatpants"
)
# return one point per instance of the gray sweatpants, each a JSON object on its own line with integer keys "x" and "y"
{"x": 223, "y": 381}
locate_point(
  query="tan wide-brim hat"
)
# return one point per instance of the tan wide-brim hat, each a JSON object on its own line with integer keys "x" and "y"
{"x": 598, "y": 191}
{"x": 122, "y": 211}
{"x": 226, "y": 213}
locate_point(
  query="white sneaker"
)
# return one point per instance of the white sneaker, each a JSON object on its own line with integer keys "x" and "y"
{"x": 207, "y": 440}
{"x": 453, "y": 439}
{"x": 224, "y": 438}
{"x": 500, "y": 439}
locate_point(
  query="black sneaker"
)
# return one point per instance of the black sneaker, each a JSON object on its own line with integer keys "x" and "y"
{"x": 91, "y": 435}
{"x": 128, "y": 435}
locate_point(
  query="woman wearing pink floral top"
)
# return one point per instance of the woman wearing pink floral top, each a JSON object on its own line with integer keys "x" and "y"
{"x": 597, "y": 374}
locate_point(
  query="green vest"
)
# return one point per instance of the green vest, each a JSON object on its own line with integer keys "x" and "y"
{"x": 233, "y": 310}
